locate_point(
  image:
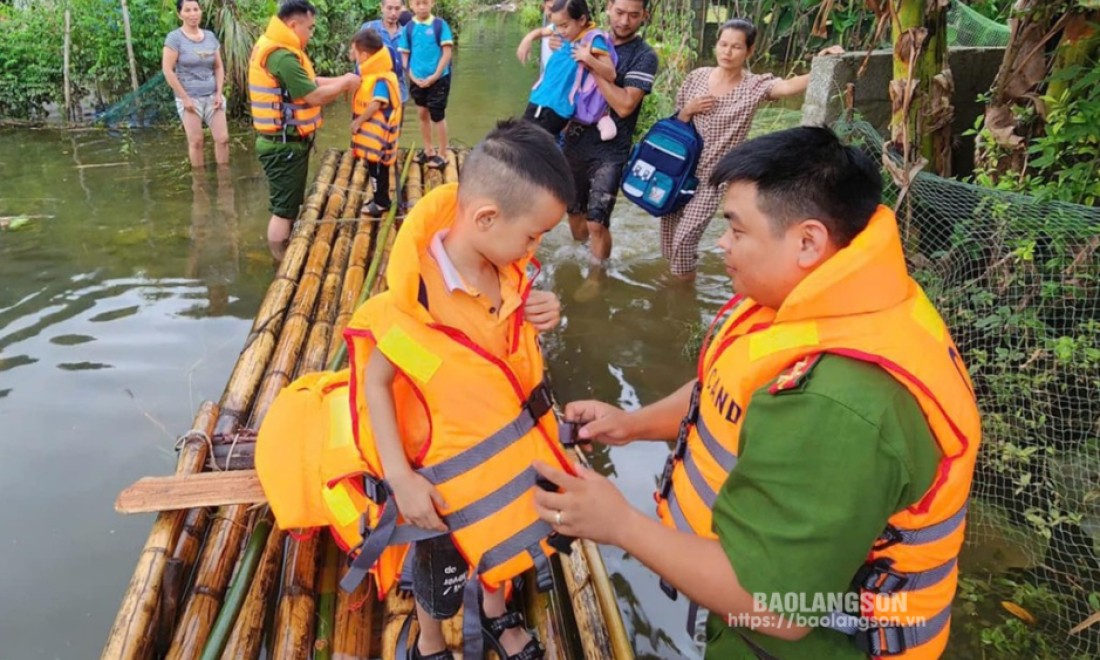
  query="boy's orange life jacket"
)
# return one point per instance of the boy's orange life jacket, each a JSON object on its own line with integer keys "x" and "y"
{"x": 376, "y": 139}
{"x": 272, "y": 110}
{"x": 472, "y": 423}
{"x": 861, "y": 304}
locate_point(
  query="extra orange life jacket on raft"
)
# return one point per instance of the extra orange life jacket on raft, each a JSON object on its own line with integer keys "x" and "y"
{"x": 376, "y": 139}
{"x": 318, "y": 463}
{"x": 272, "y": 109}
{"x": 861, "y": 304}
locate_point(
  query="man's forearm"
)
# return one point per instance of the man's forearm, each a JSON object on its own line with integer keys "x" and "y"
{"x": 326, "y": 92}
{"x": 661, "y": 420}
{"x": 620, "y": 100}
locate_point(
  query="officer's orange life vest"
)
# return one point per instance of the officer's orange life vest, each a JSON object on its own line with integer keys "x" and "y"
{"x": 376, "y": 139}
{"x": 272, "y": 110}
{"x": 861, "y": 304}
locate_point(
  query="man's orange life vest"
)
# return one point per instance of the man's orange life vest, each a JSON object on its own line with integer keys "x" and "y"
{"x": 861, "y": 304}
{"x": 272, "y": 110}
{"x": 376, "y": 139}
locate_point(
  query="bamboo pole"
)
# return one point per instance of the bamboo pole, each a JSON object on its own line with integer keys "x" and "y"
{"x": 223, "y": 546}
{"x": 242, "y": 583}
{"x": 247, "y": 636}
{"x": 241, "y": 389}
{"x": 540, "y": 608}
{"x": 309, "y": 282}
{"x": 65, "y": 53}
{"x": 462, "y": 153}
{"x": 129, "y": 47}
{"x": 396, "y": 608}
{"x": 414, "y": 186}
{"x": 130, "y": 634}
{"x": 433, "y": 177}
{"x": 326, "y": 608}
{"x": 353, "y": 624}
{"x": 609, "y": 607}
{"x": 181, "y": 564}
{"x": 586, "y": 608}
{"x": 450, "y": 172}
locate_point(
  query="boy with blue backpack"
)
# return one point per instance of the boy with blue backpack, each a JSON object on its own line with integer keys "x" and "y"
{"x": 426, "y": 44}
{"x": 390, "y": 28}
{"x": 566, "y": 90}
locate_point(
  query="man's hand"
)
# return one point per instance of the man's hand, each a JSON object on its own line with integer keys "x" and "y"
{"x": 351, "y": 81}
{"x": 587, "y": 506}
{"x": 417, "y": 499}
{"x": 582, "y": 53}
{"x": 543, "y": 310}
{"x": 603, "y": 422}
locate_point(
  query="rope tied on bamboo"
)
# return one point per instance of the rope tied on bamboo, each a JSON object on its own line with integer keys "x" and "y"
{"x": 195, "y": 434}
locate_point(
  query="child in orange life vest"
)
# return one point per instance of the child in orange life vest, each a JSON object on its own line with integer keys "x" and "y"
{"x": 473, "y": 242}
{"x": 378, "y": 113}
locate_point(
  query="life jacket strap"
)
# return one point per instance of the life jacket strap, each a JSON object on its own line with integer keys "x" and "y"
{"x": 878, "y": 577}
{"x": 888, "y": 640}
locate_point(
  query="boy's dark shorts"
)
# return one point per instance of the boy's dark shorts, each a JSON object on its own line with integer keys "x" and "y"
{"x": 545, "y": 118}
{"x": 434, "y": 97}
{"x": 597, "y": 173}
{"x": 286, "y": 166}
{"x": 439, "y": 574}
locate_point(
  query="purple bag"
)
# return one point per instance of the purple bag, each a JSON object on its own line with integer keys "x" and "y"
{"x": 585, "y": 95}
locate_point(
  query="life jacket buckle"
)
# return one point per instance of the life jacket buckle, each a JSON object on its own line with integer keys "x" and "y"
{"x": 375, "y": 489}
{"x": 539, "y": 402}
{"x": 876, "y": 577}
{"x": 693, "y": 408}
{"x": 881, "y": 640}
{"x": 664, "y": 486}
{"x": 889, "y": 537}
{"x": 568, "y": 434}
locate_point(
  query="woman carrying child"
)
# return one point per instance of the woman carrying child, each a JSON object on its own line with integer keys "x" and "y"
{"x": 720, "y": 102}
{"x": 552, "y": 101}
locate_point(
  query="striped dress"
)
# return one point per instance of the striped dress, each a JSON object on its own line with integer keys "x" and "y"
{"x": 723, "y": 128}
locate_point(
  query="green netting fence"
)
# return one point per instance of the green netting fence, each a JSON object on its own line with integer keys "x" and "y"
{"x": 1018, "y": 282}
{"x": 966, "y": 27}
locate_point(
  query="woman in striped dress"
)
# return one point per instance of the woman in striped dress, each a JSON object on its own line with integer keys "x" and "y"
{"x": 720, "y": 101}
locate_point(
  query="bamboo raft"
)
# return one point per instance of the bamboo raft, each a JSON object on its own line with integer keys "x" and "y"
{"x": 225, "y": 582}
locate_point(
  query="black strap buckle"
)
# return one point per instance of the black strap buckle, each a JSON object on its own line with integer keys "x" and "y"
{"x": 497, "y": 626}
{"x": 539, "y": 402}
{"x": 569, "y": 434}
{"x": 888, "y": 538}
{"x": 375, "y": 489}
{"x": 664, "y": 486}
{"x": 880, "y": 640}
{"x": 693, "y": 408}
{"x": 877, "y": 578}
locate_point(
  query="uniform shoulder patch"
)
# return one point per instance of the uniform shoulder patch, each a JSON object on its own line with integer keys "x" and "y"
{"x": 794, "y": 375}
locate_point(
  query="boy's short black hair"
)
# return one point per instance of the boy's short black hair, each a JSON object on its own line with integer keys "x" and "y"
{"x": 645, "y": 3}
{"x": 292, "y": 8}
{"x": 515, "y": 157}
{"x": 367, "y": 41}
{"x": 806, "y": 172}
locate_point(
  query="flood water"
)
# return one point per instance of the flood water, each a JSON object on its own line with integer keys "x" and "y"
{"x": 127, "y": 298}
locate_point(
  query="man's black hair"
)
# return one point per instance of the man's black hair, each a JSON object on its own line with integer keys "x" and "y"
{"x": 367, "y": 41}
{"x": 742, "y": 25}
{"x": 291, "y": 8}
{"x": 645, "y": 3}
{"x": 575, "y": 9}
{"x": 806, "y": 172}
{"x": 515, "y": 157}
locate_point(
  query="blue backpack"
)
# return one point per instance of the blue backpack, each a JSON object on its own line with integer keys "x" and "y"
{"x": 660, "y": 175}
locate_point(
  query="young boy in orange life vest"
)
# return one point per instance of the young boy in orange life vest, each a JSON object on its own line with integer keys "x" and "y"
{"x": 460, "y": 300}
{"x": 377, "y": 112}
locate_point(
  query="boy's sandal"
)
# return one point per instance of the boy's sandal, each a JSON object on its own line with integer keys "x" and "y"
{"x": 414, "y": 654}
{"x": 496, "y": 627}
{"x": 437, "y": 162}
{"x": 420, "y": 158}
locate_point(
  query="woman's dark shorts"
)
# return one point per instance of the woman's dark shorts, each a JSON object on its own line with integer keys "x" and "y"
{"x": 434, "y": 98}
{"x": 439, "y": 574}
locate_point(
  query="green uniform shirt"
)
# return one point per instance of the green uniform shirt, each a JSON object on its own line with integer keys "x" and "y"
{"x": 293, "y": 78}
{"x": 820, "y": 468}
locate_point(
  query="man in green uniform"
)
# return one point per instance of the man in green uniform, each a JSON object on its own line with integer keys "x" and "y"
{"x": 828, "y": 451}
{"x": 285, "y": 155}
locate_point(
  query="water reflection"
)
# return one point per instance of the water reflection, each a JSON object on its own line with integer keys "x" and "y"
{"x": 214, "y": 256}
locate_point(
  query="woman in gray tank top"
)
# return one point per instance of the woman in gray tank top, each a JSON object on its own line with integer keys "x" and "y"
{"x": 192, "y": 65}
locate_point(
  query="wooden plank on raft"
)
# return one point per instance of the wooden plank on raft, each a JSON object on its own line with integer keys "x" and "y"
{"x": 186, "y": 491}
